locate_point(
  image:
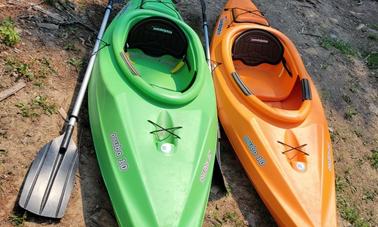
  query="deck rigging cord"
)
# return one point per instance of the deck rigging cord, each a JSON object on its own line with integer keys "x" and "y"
{"x": 162, "y": 129}
{"x": 291, "y": 148}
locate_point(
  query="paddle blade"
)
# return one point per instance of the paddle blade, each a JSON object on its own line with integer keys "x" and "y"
{"x": 49, "y": 182}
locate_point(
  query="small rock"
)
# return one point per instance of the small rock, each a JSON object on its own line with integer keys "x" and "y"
{"x": 362, "y": 27}
{"x": 373, "y": 108}
{"x": 48, "y": 26}
{"x": 214, "y": 190}
{"x": 334, "y": 20}
{"x": 333, "y": 36}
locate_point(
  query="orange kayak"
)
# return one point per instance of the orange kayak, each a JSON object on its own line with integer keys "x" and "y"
{"x": 271, "y": 112}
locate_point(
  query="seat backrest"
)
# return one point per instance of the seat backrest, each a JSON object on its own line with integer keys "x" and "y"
{"x": 157, "y": 36}
{"x": 257, "y": 46}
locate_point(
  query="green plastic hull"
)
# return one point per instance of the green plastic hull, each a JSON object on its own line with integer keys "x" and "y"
{"x": 154, "y": 178}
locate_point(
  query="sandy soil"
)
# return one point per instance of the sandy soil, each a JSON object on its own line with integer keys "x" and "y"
{"x": 56, "y": 55}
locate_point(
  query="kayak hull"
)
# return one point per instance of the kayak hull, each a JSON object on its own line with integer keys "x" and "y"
{"x": 152, "y": 181}
{"x": 283, "y": 143}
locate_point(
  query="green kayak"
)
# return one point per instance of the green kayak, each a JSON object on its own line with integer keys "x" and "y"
{"x": 153, "y": 117}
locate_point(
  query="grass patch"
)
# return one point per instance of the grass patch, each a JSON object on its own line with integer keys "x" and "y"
{"x": 45, "y": 68}
{"x": 344, "y": 47}
{"x": 341, "y": 183}
{"x": 39, "y": 84}
{"x": 374, "y": 158}
{"x": 8, "y": 34}
{"x": 77, "y": 63}
{"x": 231, "y": 217}
{"x": 372, "y": 61}
{"x": 351, "y": 214}
{"x": 37, "y": 106}
{"x": 45, "y": 105}
{"x": 18, "y": 220}
{"x": 370, "y": 195}
{"x": 26, "y": 110}
{"x": 350, "y": 113}
{"x": 373, "y": 26}
{"x": 18, "y": 68}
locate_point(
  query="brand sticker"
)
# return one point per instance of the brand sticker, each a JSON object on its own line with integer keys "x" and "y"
{"x": 329, "y": 158}
{"x": 205, "y": 168}
{"x": 162, "y": 30}
{"x": 252, "y": 148}
{"x": 118, "y": 152}
{"x": 259, "y": 40}
{"x": 220, "y": 26}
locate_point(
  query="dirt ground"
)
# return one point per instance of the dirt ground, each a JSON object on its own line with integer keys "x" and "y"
{"x": 338, "y": 42}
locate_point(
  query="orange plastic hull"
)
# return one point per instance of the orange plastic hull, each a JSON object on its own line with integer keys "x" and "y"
{"x": 297, "y": 185}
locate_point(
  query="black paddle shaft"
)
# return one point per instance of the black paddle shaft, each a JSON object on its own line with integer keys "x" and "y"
{"x": 206, "y": 31}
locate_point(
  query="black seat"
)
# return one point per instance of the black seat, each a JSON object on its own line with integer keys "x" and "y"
{"x": 256, "y": 46}
{"x": 157, "y": 36}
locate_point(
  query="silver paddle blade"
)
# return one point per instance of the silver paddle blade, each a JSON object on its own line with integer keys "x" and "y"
{"x": 49, "y": 182}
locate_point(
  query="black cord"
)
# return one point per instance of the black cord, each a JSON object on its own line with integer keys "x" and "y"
{"x": 106, "y": 44}
{"x": 162, "y": 129}
{"x": 298, "y": 148}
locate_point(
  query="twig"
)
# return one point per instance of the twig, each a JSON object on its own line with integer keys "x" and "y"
{"x": 62, "y": 113}
{"x": 12, "y": 90}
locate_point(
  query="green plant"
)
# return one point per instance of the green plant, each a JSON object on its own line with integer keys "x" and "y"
{"x": 38, "y": 84}
{"x": 370, "y": 195}
{"x": 47, "y": 107}
{"x": 8, "y": 34}
{"x": 19, "y": 68}
{"x": 46, "y": 63}
{"x": 77, "y": 63}
{"x": 372, "y": 61}
{"x": 350, "y": 113}
{"x": 231, "y": 216}
{"x": 26, "y": 110}
{"x": 342, "y": 46}
{"x": 374, "y": 158}
{"x": 373, "y": 26}
{"x": 17, "y": 219}
{"x": 341, "y": 183}
{"x": 37, "y": 106}
{"x": 350, "y": 213}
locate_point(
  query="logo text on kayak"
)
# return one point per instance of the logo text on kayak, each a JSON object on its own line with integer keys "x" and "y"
{"x": 117, "y": 148}
{"x": 205, "y": 168}
{"x": 252, "y": 148}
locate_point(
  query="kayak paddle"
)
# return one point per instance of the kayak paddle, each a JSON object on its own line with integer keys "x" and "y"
{"x": 49, "y": 182}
